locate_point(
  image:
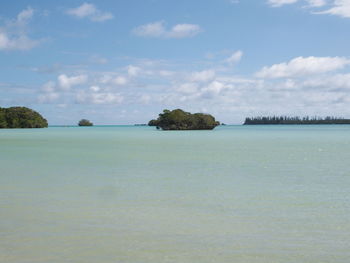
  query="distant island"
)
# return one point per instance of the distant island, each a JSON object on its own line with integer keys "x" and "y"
{"x": 85, "y": 122}
{"x": 181, "y": 120}
{"x": 21, "y": 117}
{"x": 294, "y": 120}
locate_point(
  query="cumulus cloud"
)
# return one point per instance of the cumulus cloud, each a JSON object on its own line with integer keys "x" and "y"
{"x": 303, "y": 85}
{"x": 49, "y": 94}
{"x": 120, "y": 80}
{"x": 90, "y": 12}
{"x": 14, "y": 35}
{"x": 213, "y": 89}
{"x": 202, "y": 76}
{"x": 187, "y": 88}
{"x": 133, "y": 71}
{"x": 159, "y": 30}
{"x": 95, "y": 96}
{"x": 337, "y": 82}
{"x": 301, "y": 66}
{"x": 65, "y": 82}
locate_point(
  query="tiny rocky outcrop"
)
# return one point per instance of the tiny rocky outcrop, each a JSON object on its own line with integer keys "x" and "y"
{"x": 21, "y": 117}
{"x": 182, "y": 120}
{"x": 85, "y": 122}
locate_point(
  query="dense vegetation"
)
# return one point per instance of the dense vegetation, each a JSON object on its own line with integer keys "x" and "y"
{"x": 295, "y": 120}
{"x": 181, "y": 120}
{"x": 85, "y": 122}
{"x": 21, "y": 117}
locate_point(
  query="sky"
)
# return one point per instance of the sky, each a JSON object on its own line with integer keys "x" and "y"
{"x": 123, "y": 62}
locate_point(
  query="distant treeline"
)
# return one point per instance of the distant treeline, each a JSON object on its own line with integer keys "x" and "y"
{"x": 295, "y": 120}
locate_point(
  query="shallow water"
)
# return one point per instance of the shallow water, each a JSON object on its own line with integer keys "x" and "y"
{"x": 134, "y": 194}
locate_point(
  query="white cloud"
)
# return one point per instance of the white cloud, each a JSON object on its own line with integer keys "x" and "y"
{"x": 316, "y": 3}
{"x": 120, "y": 80}
{"x": 49, "y": 94}
{"x": 184, "y": 30}
{"x": 155, "y": 29}
{"x": 340, "y": 8}
{"x": 188, "y": 88}
{"x": 336, "y": 7}
{"x": 304, "y": 85}
{"x": 49, "y": 86}
{"x": 14, "y": 36}
{"x": 145, "y": 98}
{"x": 65, "y": 82}
{"x": 310, "y": 3}
{"x": 158, "y": 29}
{"x": 24, "y": 16}
{"x": 235, "y": 57}
{"x": 133, "y": 71}
{"x": 48, "y": 97}
{"x": 90, "y": 11}
{"x": 334, "y": 82}
{"x": 202, "y": 76}
{"x": 95, "y": 88}
{"x": 95, "y": 97}
{"x": 301, "y": 66}
{"x": 278, "y": 3}
{"x": 213, "y": 89}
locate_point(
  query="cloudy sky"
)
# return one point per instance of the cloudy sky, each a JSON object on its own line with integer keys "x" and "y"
{"x": 123, "y": 62}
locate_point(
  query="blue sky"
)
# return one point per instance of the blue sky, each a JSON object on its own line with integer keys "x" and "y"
{"x": 123, "y": 62}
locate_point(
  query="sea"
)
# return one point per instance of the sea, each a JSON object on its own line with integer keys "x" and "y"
{"x": 135, "y": 194}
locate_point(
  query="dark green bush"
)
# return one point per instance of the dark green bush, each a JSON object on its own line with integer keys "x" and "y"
{"x": 21, "y": 117}
{"x": 181, "y": 120}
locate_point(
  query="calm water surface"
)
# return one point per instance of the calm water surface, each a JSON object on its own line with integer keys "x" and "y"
{"x": 137, "y": 195}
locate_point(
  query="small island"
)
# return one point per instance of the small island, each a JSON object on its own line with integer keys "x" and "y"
{"x": 278, "y": 120}
{"x": 181, "y": 120}
{"x": 85, "y": 122}
{"x": 21, "y": 117}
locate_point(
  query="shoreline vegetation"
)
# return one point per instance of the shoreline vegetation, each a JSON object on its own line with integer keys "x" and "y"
{"x": 283, "y": 120}
{"x": 21, "y": 117}
{"x": 182, "y": 120}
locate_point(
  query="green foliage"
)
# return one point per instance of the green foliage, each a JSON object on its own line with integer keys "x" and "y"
{"x": 21, "y": 117}
{"x": 153, "y": 123}
{"x": 295, "y": 120}
{"x": 85, "y": 122}
{"x": 181, "y": 120}
{"x": 3, "y": 123}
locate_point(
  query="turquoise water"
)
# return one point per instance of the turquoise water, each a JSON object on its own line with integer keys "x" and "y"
{"x": 138, "y": 195}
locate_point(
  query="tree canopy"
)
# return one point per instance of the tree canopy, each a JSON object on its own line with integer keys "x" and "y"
{"x": 21, "y": 117}
{"x": 181, "y": 120}
{"x": 85, "y": 122}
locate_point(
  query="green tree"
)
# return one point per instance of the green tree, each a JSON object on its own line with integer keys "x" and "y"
{"x": 3, "y": 123}
{"x": 21, "y": 117}
{"x": 180, "y": 120}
